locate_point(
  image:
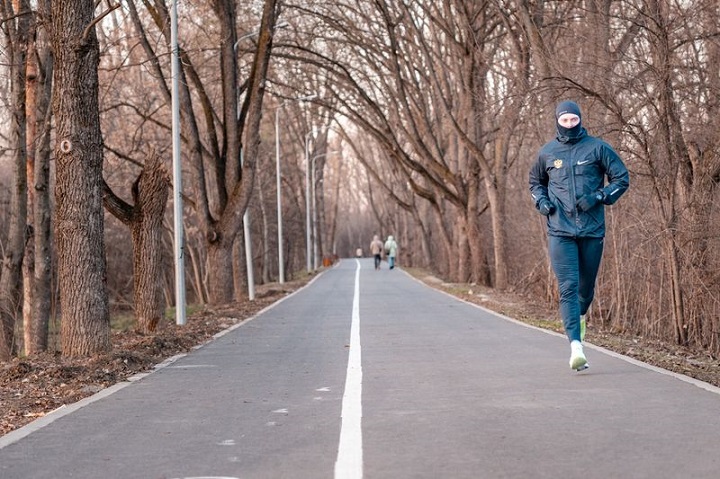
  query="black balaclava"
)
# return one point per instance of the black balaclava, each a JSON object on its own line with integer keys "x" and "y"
{"x": 568, "y": 134}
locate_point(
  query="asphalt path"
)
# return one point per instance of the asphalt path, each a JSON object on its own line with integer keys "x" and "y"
{"x": 372, "y": 374}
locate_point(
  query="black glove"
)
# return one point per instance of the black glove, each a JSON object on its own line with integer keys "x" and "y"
{"x": 546, "y": 207}
{"x": 590, "y": 200}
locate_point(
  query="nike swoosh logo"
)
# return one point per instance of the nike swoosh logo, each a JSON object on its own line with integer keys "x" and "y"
{"x": 582, "y": 162}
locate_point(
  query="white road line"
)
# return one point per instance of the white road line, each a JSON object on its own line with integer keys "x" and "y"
{"x": 349, "y": 463}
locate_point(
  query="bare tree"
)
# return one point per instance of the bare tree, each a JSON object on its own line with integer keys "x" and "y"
{"x": 222, "y": 191}
{"x": 144, "y": 217}
{"x": 38, "y": 318}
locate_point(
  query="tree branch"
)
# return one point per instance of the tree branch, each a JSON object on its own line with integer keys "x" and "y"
{"x": 96, "y": 20}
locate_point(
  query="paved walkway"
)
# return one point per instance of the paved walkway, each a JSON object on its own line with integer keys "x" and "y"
{"x": 372, "y": 374}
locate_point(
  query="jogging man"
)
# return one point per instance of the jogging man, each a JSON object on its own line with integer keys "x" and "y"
{"x": 567, "y": 183}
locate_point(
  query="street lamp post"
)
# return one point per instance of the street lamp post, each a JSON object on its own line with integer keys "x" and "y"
{"x": 281, "y": 260}
{"x": 307, "y": 203}
{"x": 177, "y": 173}
{"x": 246, "y": 214}
{"x": 314, "y": 216}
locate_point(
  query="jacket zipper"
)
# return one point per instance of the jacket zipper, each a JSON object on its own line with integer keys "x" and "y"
{"x": 573, "y": 194}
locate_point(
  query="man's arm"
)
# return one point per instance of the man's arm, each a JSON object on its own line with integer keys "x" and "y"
{"x": 617, "y": 174}
{"x": 538, "y": 180}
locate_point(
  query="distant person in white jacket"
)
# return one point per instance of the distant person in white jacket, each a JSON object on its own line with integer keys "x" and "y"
{"x": 391, "y": 248}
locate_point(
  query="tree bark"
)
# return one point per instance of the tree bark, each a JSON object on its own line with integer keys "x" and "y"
{"x": 221, "y": 277}
{"x": 36, "y": 337}
{"x": 79, "y": 227}
{"x": 145, "y": 217}
{"x": 151, "y": 197}
{"x": 31, "y": 93}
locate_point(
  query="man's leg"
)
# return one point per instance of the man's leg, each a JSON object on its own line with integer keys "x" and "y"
{"x": 590, "y": 252}
{"x": 564, "y": 259}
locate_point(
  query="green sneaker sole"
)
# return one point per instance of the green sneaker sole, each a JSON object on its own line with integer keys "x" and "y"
{"x": 578, "y": 363}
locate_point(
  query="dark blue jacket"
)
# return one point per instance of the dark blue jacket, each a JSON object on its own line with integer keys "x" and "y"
{"x": 567, "y": 169}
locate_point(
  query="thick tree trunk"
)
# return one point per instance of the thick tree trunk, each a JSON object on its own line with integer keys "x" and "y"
{"x": 79, "y": 227}
{"x": 42, "y": 290}
{"x": 31, "y": 93}
{"x": 220, "y": 272}
{"x": 150, "y": 201}
{"x": 37, "y": 339}
{"x": 145, "y": 217}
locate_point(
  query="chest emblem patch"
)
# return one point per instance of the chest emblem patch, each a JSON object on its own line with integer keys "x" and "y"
{"x": 558, "y": 163}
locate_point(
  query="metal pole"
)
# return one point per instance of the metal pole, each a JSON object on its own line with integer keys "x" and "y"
{"x": 177, "y": 173}
{"x": 248, "y": 247}
{"x": 307, "y": 203}
{"x": 314, "y": 216}
{"x": 281, "y": 261}
{"x": 248, "y": 255}
{"x": 246, "y": 216}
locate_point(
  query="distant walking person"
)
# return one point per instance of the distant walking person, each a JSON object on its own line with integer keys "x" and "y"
{"x": 567, "y": 183}
{"x": 376, "y": 248}
{"x": 391, "y": 248}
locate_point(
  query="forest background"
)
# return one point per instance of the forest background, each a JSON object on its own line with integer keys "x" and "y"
{"x": 418, "y": 119}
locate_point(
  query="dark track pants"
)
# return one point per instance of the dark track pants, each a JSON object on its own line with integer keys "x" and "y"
{"x": 576, "y": 262}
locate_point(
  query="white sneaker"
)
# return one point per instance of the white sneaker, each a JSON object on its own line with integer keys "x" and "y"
{"x": 578, "y": 362}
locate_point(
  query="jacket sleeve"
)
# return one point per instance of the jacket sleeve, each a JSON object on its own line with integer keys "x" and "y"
{"x": 617, "y": 174}
{"x": 539, "y": 182}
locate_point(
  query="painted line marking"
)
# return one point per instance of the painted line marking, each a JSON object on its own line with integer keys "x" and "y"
{"x": 209, "y": 477}
{"x": 192, "y": 366}
{"x": 349, "y": 463}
